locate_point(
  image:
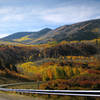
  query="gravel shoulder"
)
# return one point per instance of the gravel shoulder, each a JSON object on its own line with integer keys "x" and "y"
{"x": 5, "y": 96}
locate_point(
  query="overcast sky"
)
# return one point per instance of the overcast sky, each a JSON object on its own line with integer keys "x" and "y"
{"x": 33, "y": 15}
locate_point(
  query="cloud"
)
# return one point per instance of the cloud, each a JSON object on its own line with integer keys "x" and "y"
{"x": 60, "y": 15}
{"x": 14, "y": 17}
{"x": 70, "y": 14}
{"x": 10, "y": 14}
{"x": 3, "y": 35}
{"x": 24, "y": 17}
{"x": 4, "y": 10}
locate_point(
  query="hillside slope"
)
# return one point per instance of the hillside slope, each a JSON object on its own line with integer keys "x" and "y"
{"x": 87, "y": 30}
{"x": 24, "y": 37}
{"x": 80, "y": 31}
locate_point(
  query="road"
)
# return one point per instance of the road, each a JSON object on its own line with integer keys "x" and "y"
{"x": 5, "y": 96}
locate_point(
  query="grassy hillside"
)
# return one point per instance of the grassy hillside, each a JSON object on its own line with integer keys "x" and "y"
{"x": 12, "y": 77}
{"x": 51, "y": 61}
{"x": 25, "y": 37}
{"x": 80, "y": 31}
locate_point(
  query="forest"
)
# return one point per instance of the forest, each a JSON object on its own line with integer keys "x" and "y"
{"x": 60, "y": 65}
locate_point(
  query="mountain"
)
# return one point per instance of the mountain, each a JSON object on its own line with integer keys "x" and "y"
{"x": 87, "y": 30}
{"x": 24, "y": 37}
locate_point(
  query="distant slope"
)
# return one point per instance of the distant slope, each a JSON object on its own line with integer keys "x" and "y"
{"x": 16, "y": 36}
{"x": 87, "y": 30}
{"x": 25, "y": 36}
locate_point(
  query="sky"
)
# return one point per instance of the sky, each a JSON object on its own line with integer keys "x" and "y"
{"x": 34, "y": 15}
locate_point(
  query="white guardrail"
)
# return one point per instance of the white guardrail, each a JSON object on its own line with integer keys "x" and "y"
{"x": 56, "y": 92}
{"x": 95, "y": 93}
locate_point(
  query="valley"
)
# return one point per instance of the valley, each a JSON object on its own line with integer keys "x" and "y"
{"x": 61, "y": 63}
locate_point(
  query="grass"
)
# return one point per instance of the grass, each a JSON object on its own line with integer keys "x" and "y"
{"x": 24, "y": 86}
{"x": 8, "y": 80}
{"x": 11, "y": 78}
{"x": 22, "y": 39}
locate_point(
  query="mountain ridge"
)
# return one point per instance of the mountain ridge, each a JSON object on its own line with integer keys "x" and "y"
{"x": 13, "y": 37}
{"x": 86, "y": 30}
